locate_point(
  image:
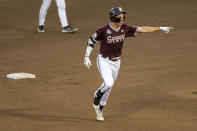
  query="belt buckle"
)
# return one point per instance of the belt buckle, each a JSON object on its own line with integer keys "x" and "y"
{"x": 114, "y": 59}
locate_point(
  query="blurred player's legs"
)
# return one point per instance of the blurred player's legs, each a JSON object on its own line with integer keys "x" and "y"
{"x": 62, "y": 12}
{"x": 42, "y": 14}
{"x": 62, "y": 15}
{"x": 109, "y": 72}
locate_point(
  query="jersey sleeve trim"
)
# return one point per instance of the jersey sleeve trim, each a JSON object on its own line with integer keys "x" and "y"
{"x": 93, "y": 39}
{"x": 136, "y": 30}
{"x": 91, "y": 42}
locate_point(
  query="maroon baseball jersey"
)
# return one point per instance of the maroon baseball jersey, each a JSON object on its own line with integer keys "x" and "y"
{"x": 112, "y": 39}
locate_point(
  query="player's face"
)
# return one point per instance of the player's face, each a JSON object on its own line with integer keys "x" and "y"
{"x": 121, "y": 17}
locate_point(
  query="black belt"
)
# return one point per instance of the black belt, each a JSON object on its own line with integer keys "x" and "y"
{"x": 111, "y": 59}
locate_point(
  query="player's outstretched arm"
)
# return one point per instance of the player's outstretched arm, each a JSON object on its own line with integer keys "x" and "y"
{"x": 153, "y": 29}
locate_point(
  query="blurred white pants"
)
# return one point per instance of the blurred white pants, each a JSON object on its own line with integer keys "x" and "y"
{"x": 61, "y": 5}
{"x": 109, "y": 73}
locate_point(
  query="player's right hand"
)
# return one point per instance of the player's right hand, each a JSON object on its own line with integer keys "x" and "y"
{"x": 87, "y": 62}
{"x": 166, "y": 29}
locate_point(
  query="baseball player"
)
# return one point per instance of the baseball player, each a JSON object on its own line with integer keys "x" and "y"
{"x": 111, "y": 38}
{"x": 62, "y": 15}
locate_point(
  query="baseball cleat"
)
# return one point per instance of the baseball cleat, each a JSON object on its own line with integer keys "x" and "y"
{"x": 69, "y": 29}
{"x": 99, "y": 113}
{"x": 41, "y": 28}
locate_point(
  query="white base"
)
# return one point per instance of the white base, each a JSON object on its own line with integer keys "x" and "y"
{"x": 20, "y": 75}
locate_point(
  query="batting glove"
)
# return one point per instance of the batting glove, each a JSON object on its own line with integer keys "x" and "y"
{"x": 166, "y": 29}
{"x": 87, "y": 62}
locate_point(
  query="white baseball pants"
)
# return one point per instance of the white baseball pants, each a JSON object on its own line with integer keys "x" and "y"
{"x": 109, "y": 73}
{"x": 61, "y": 11}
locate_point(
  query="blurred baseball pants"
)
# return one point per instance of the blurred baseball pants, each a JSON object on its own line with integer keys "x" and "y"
{"x": 61, "y": 11}
{"x": 109, "y": 73}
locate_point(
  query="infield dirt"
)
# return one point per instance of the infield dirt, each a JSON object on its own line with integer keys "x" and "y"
{"x": 153, "y": 91}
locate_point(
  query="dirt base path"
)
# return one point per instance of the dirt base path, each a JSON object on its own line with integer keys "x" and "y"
{"x": 152, "y": 93}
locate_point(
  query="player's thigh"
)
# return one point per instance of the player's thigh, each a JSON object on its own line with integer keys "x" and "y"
{"x": 105, "y": 71}
{"x": 115, "y": 70}
{"x": 61, "y": 3}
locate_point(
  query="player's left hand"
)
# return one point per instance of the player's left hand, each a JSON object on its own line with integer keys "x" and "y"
{"x": 87, "y": 62}
{"x": 166, "y": 29}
